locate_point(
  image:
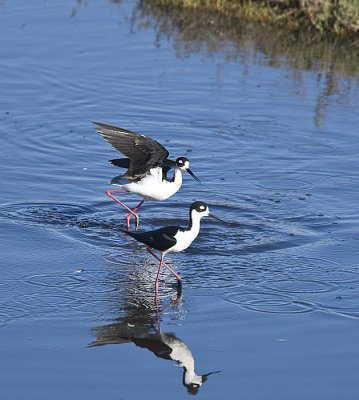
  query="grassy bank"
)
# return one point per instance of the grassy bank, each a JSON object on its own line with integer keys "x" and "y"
{"x": 338, "y": 17}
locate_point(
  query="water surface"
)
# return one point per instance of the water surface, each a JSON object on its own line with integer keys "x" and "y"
{"x": 270, "y": 300}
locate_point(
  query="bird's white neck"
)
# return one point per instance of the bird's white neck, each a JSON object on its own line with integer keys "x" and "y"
{"x": 195, "y": 222}
{"x": 173, "y": 186}
{"x": 184, "y": 237}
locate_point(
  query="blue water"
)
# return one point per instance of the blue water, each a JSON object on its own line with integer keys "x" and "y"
{"x": 270, "y": 300}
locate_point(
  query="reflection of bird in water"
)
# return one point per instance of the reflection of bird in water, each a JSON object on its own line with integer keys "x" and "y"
{"x": 147, "y": 167}
{"x": 163, "y": 345}
{"x": 141, "y": 326}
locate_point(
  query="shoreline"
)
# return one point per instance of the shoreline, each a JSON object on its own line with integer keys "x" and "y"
{"x": 330, "y": 18}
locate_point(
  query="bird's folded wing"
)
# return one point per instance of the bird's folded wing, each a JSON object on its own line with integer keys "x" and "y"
{"x": 160, "y": 239}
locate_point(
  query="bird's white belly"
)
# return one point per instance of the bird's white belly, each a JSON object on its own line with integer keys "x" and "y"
{"x": 153, "y": 187}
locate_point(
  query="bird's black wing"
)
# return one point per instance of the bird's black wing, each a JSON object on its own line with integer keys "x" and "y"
{"x": 160, "y": 239}
{"x": 144, "y": 153}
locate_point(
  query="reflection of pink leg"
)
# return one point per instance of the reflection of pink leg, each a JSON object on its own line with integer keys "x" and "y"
{"x": 130, "y": 212}
{"x": 158, "y": 314}
{"x": 158, "y": 275}
{"x": 165, "y": 265}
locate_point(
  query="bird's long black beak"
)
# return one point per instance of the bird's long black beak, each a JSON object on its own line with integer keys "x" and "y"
{"x": 193, "y": 175}
{"x": 218, "y": 219}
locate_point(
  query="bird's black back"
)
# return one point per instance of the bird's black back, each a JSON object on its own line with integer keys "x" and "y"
{"x": 167, "y": 165}
{"x": 160, "y": 239}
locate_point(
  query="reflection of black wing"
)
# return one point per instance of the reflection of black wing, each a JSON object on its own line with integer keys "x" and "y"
{"x": 155, "y": 345}
{"x": 160, "y": 239}
{"x": 118, "y": 333}
{"x": 144, "y": 153}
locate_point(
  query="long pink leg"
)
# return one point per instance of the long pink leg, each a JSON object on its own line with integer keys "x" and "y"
{"x": 131, "y": 212}
{"x": 162, "y": 263}
{"x": 129, "y": 215}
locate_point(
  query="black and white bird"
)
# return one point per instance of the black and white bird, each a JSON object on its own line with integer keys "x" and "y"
{"x": 173, "y": 238}
{"x": 147, "y": 166}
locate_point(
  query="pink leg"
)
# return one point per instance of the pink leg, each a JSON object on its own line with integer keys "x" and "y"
{"x": 131, "y": 212}
{"x": 129, "y": 215}
{"x": 162, "y": 263}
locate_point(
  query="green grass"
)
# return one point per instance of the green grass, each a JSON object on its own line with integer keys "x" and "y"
{"x": 338, "y": 17}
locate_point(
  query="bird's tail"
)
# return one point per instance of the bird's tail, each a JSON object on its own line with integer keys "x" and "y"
{"x": 132, "y": 234}
{"x": 121, "y": 162}
{"x": 118, "y": 180}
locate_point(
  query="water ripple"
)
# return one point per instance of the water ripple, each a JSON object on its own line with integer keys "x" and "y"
{"x": 267, "y": 302}
{"x": 98, "y": 226}
{"x": 86, "y": 283}
{"x": 298, "y": 285}
{"x": 245, "y": 267}
{"x": 10, "y": 313}
{"x": 303, "y": 284}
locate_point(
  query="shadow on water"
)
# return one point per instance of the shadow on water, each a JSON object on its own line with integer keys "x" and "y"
{"x": 141, "y": 325}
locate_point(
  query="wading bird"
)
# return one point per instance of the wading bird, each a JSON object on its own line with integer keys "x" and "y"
{"x": 147, "y": 166}
{"x": 173, "y": 238}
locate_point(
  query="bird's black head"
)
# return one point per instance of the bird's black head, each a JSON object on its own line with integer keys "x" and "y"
{"x": 183, "y": 164}
{"x": 199, "y": 207}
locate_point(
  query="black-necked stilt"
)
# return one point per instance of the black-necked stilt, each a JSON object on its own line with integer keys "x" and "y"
{"x": 147, "y": 167}
{"x": 173, "y": 238}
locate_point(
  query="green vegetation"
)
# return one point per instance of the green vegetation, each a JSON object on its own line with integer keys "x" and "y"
{"x": 255, "y": 34}
{"x": 339, "y": 17}
{"x": 200, "y": 29}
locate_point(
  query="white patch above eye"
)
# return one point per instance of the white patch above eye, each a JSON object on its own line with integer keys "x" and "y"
{"x": 202, "y": 208}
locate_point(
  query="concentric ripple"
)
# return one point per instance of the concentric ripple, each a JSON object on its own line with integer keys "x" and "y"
{"x": 88, "y": 283}
{"x": 303, "y": 284}
{"x": 96, "y": 225}
{"x": 267, "y": 302}
{"x": 45, "y": 213}
{"x": 300, "y": 285}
